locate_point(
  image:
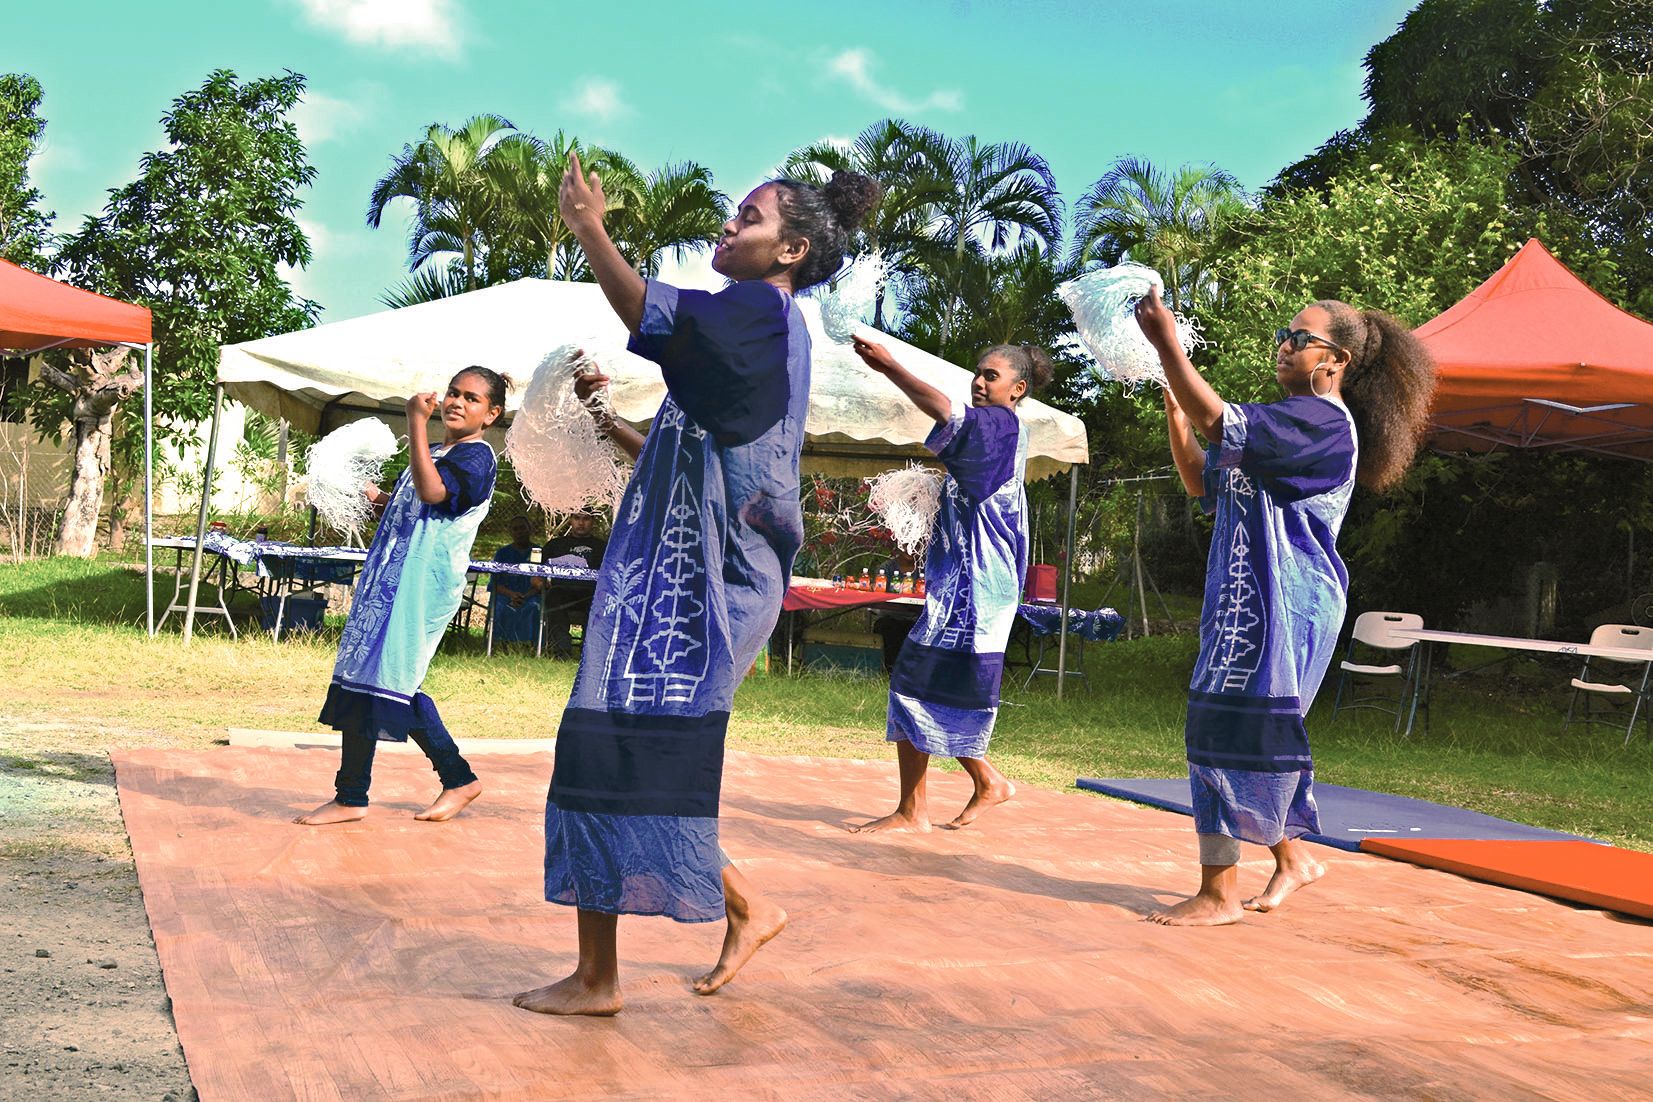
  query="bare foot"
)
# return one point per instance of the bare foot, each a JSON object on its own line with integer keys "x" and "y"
{"x": 1288, "y": 877}
{"x": 980, "y": 801}
{"x": 744, "y": 937}
{"x": 1200, "y": 910}
{"x": 572, "y": 996}
{"x": 331, "y": 812}
{"x": 450, "y": 803}
{"x": 894, "y": 821}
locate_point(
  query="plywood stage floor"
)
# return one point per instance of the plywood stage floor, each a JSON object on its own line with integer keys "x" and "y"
{"x": 1008, "y": 961}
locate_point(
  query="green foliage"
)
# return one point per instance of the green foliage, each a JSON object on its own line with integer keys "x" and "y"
{"x": 1410, "y": 232}
{"x": 1169, "y": 221}
{"x": 25, "y": 229}
{"x": 200, "y": 236}
{"x": 1567, "y": 84}
{"x": 484, "y": 202}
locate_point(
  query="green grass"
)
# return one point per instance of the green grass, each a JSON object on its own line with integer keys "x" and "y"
{"x": 83, "y": 675}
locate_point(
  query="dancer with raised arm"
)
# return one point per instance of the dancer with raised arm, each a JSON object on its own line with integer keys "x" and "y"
{"x": 944, "y": 690}
{"x": 1279, "y": 476}
{"x": 691, "y": 583}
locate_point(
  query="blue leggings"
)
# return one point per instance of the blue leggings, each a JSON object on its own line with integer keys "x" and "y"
{"x": 356, "y": 764}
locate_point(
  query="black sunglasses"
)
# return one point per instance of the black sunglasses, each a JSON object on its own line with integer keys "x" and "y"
{"x": 1299, "y": 339}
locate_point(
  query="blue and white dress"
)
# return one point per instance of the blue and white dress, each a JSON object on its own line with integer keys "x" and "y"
{"x": 409, "y": 589}
{"x": 944, "y": 689}
{"x": 688, "y": 593}
{"x": 1275, "y": 594}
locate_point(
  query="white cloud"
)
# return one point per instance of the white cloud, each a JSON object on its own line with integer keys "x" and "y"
{"x": 321, "y": 118}
{"x": 597, "y": 97}
{"x": 428, "y": 25}
{"x": 854, "y": 67}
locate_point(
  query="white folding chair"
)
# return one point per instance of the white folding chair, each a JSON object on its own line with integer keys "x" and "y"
{"x": 1613, "y": 694}
{"x": 1375, "y": 631}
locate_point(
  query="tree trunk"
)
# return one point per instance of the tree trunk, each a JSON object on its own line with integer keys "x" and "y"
{"x": 91, "y": 467}
{"x": 98, "y": 383}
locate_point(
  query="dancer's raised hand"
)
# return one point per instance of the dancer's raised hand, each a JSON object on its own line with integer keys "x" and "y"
{"x": 580, "y": 199}
{"x": 875, "y": 355}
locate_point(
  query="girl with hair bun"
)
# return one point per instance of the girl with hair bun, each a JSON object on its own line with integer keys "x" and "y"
{"x": 944, "y": 689}
{"x": 1279, "y": 477}
{"x": 691, "y": 582}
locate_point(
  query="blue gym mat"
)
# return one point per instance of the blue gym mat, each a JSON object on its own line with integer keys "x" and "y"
{"x": 1349, "y": 816}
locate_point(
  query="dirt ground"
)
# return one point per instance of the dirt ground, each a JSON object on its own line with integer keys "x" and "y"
{"x": 85, "y": 1013}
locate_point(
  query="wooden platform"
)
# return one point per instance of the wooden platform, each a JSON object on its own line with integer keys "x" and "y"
{"x": 1009, "y": 961}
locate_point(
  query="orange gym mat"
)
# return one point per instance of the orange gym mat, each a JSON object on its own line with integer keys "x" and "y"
{"x": 1600, "y": 876}
{"x": 1007, "y": 961}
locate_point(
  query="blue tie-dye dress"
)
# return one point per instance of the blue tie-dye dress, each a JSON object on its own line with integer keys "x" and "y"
{"x": 410, "y": 587}
{"x": 944, "y": 689}
{"x": 689, "y": 591}
{"x": 1275, "y": 594}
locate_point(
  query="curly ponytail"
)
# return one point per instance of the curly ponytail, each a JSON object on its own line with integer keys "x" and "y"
{"x": 827, "y": 217}
{"x": 1387, "y": 386}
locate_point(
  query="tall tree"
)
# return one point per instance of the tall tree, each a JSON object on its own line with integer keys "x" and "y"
{"x": 1568, "y": 84}
{"x": 673, "y": 209}
{"x": 455, "y": 206}
{"x": 25, "y": 228}
{"x": 890, "y": 152}
{"x": 1170, "y": 221}
{"x": 995, "y": 194}
{"x": 200, "y": 237}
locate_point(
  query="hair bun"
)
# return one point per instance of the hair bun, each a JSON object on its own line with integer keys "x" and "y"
{"x": 851, "y": 195}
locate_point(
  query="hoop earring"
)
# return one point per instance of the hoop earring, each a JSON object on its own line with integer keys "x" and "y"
{"x": 1315, "y": 392}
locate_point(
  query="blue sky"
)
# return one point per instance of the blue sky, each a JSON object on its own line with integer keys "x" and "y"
{"x": 1248, "y": 86}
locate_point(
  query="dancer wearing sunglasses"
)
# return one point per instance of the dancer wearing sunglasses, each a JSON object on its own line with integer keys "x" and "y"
{"x": 1279, "y": 477}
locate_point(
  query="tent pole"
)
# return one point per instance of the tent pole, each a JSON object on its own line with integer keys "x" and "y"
{"x": 201, "y": 521}
{"x": 1067, "y": 581}
{"x": 149, "y": 485}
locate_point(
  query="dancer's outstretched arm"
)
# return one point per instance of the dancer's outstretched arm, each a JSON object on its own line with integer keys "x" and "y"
{"x": 1185, "y": 449}
{"x": 927, "y": 398}
{"x": 581, "y": 203}
{"x": 1202, "y": 404}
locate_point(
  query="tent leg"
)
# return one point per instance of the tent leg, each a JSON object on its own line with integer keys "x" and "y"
{"x": 1067, "y": 582}
{"x": 201, "y": 521}
{"x": 149, "y": 486}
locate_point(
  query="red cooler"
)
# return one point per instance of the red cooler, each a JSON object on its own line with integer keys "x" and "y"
{"x": 1041, "y": 582}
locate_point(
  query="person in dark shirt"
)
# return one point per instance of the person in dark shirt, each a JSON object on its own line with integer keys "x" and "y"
{"x": 569, "y": 603}
{"x": 515, "y": 598}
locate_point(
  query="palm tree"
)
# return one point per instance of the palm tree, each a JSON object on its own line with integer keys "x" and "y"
{"x": 1168, "y": 221}
{"x": 674, "y": 209}
{"x": 445, "y": 175}
{"x": 1005, "y": 297}
{"x": 889, "y": 152}
{"x": 526, "y": 172}
{"x": 995, "y": 192}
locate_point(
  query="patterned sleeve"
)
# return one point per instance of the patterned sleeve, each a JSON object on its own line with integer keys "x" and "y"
{"x": 468, "y": 472}
{"x": 723, "y": 356}
{"x": 977, "y": 445}
{"x": 1298, "y": 448}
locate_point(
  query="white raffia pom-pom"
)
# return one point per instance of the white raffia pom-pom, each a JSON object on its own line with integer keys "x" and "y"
{"x": 564, "y": 463}
{"x": 1103, "y": 304}
{"x": 340, "y": 466}
{"x": 907, "y": 501}
{"x": 851, "y": 300}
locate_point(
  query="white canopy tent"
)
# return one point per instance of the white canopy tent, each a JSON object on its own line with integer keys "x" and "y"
{"x": 318, "y": 379}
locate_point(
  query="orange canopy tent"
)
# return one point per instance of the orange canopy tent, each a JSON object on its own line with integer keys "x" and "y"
{"x": 37, "y": 313}
{"x": 1534, "y": 358}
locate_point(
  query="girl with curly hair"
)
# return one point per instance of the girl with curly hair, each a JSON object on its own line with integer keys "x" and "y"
{"x": 1279, "y": 476}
